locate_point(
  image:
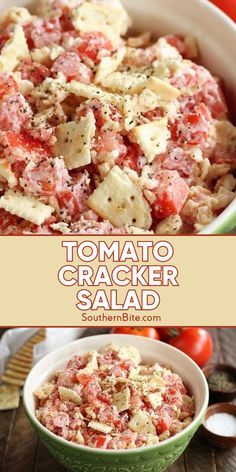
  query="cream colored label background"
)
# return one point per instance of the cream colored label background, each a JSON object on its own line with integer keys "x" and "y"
{"x": 31, "y": 294}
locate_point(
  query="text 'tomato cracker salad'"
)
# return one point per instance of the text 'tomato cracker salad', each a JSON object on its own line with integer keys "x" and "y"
{"x": 110, "y": 400}
{"x": 102, "y": 132}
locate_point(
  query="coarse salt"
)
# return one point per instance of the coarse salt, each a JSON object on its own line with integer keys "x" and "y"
{"x": 223, "y": 424}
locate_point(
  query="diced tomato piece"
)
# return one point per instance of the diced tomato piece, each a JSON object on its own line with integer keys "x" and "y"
{"x": 122, "y": 423}
{"x": 65, "y": 18}
{"x": 93, "y": 46}
{"x": 7, "y": 221}
{"x": 46, "y": 178}
{"x": 93, "y": 106}
{"x": 172, "y": 396}
{"x": 91, "y": 392}
{"x": 127, "y": 365}
{"x": 18, "y": 168}
{"x": 33, "y": 71}
{"x": 84, "y": 379}
{"x": 154, "y": 114}
{"x": 28, "y": 28}
{"x": 76, "y": 362}
{"x": 171, "y": 193}
{"x": 208, "y": 88}
{"x": 164, "y": 424}
{"x": 117, "y": 371}
{"x": 71, "y": 66}
{"x": 61, "y": 420}
{"x": 176, "y": 159}
{"x": 101, "y": 442}
{"x": 98, "y": 110}
{"x": 44, "y": 32}
{"x": 8, "y": 85}
{"x": 74, "y": 199}
{"x": 136, "y": 401}
{"x": 109, "y": 142}
{"x": 67, "y": 378}
{"x": 12, "y": 225}
{"x": 67, "y": 200}
{"x": 20, "y": 146}
{"x": 108, "y": 415}
{"x": 4, "y": 36}
{"x": 213, "y": 97}
{"x": 14, "y": 112}
{"x": 194, "y": 128}
{"x": 44, "y": 133}
{"x": 175, "y": 381}
{"x": 81, "y": 188}
{"x": 178, "y": 43}
{"x": 130, "y": 159}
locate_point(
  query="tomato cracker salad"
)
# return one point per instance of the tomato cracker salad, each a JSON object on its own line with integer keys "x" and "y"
{"x": 110, "y": 400}
{"x": 106, "y": 132}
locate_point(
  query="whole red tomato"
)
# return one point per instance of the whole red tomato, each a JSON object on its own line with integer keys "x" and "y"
{"x": 170, "y": 332}
{"x": 228, "y": 6}
{"x": 196, "y": 343}
{"x": 147, "y": 332}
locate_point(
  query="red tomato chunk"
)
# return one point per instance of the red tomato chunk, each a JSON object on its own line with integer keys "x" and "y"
{"x": 171, "y": 193}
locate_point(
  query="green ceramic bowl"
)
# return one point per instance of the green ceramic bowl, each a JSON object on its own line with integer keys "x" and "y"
{"x": 145, "y": 459}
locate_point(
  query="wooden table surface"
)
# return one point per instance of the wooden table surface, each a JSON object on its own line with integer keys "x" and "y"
{"x": 21, "y": 451}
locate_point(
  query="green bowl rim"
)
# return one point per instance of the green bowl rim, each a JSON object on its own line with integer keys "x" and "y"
{"x": 224, "y": 223}
{"x": 196, "y": 421}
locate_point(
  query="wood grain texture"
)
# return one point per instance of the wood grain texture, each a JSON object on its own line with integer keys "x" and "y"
{"x": 21, "y": 451}
{"x": 21, "y": 446}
